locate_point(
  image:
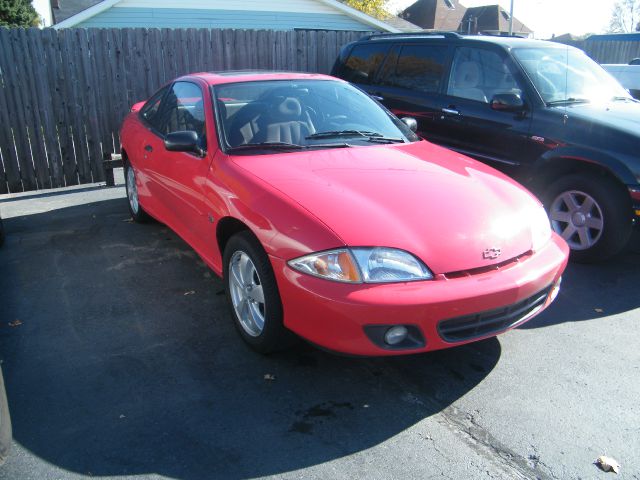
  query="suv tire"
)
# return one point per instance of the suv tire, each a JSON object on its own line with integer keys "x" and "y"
{"x": 591, "y": 213}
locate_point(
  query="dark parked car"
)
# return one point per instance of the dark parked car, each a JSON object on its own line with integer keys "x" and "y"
{"x": 542, "y": 112}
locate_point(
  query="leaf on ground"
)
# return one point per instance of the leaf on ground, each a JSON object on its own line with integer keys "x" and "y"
{"x": 269, "y": 376}
{"x": 608, "y": 464}
{"x": 190, "y": 292}
{"x": 128, "y": 220}
{"x": 15, "y": 323}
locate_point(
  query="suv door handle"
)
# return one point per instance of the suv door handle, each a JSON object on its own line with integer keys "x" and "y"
{"x": 450, "y": 111}
{"x": 148, "y": 148}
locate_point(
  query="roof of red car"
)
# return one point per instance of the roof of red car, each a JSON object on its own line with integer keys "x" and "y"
{"x": 215, "y": 78}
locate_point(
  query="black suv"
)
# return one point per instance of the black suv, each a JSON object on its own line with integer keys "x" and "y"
{"x": 542, "y": 112}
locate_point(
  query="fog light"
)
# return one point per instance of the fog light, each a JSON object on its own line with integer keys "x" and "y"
{"x": 555, "y": 290}
{"x": 396, "y": 335}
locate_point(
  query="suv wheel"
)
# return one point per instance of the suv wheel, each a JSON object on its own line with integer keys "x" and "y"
{"x": 591, "y": 213}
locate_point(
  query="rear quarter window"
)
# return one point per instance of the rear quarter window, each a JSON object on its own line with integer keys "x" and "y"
{"x": 363, "y": 62}
{"x": 417, "y": 67}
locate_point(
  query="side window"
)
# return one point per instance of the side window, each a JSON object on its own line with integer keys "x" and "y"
{"x": 478, "y": 74}
{"x": 417, "y": 67}
{"x": 183, "y": 109}
{"x": 363, "y": 62}
{"x": 150, "y": 109}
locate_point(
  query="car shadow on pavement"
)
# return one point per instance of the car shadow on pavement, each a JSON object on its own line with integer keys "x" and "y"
{"x": 120, "y": 359}
{"x": 591, "y": 291}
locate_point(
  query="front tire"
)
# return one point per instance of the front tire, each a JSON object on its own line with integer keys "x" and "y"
{"x": 253, "y": 295}
{"x": 137, "y": 212}
{"x": 592, "y": 214}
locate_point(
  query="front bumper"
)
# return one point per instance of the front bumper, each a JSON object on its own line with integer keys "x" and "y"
{"x": 334, "y": 315}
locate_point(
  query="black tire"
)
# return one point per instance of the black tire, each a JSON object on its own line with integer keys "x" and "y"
{"x": 138, "y": 214}
{"x": 273, "y": 336}
{"x": 612, "y": 202}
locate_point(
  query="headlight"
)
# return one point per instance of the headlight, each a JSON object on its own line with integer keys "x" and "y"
{"x": 540, "y": 228}
{"x": 368, "y": 265}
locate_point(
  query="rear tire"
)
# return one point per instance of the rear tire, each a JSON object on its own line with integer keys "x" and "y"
{"x": 592, "y": 213}
{"x": 252, "y": 293}
{"x": 137, "y": 212}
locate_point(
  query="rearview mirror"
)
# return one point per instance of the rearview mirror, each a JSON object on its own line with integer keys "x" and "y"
{"x": 184, "y": 141}
{"x": 410, "y": 122}
{"x": 507, "y": 102}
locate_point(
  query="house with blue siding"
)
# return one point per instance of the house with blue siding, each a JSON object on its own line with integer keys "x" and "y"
{"x": 244, "y": 14}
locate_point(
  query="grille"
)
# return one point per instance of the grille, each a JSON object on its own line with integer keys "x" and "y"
{"x": 491, "y": 321}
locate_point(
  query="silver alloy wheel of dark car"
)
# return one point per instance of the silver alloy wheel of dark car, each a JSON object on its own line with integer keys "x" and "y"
{"x": 577, "y": 217}
{"x": 247, "y": 294}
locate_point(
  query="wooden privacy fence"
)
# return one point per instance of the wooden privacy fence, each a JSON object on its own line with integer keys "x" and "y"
{"x": 64, "y": 93}
{"x": 608, "y": 51}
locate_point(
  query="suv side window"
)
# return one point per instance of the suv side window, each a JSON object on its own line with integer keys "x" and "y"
{"x": 363, "y": 62}
{"x": 417, "y": 67}
{"x": 183, "y": 109}
{"x": 150, "y": 109}
{"x": 479, "y": 74}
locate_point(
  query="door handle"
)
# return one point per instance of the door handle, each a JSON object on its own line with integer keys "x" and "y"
{"x": 450, "y": 111}
{"x": 148, "y": 148}
{"x": 377, "y": 97}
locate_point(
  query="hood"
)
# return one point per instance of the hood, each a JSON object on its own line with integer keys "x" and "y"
{"x": 441, "y": 206}
{"x": 615, "y": 115}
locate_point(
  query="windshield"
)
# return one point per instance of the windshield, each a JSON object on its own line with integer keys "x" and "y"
{"x": 568, "y": 75}
{"x": 293, "y": 114}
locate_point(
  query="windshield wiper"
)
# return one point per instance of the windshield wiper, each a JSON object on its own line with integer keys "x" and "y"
{"x": 282, "y": 146}
{"x": 370, "y": 136}
{"x": 569, "y": 100}
{"x": 618, "y": 98}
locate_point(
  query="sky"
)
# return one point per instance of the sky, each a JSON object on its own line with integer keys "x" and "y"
{"x": 547, "y": 17}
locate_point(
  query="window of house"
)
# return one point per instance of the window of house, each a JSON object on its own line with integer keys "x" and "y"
{"x": 417, "y": 67}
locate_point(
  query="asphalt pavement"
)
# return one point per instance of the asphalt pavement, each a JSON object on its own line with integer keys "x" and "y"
{"x": 121, "y": 361}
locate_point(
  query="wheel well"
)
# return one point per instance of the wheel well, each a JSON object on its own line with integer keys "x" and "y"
{"x": 559, "y": 167}
{"x": 228, "y": 227}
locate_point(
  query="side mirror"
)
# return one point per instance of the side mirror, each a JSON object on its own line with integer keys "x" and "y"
{"x": 507, "y": 102}
{"x": 184, "y": 141}
{"x": 411, "y": 123}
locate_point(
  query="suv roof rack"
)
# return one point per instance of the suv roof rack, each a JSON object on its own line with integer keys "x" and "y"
{"x": 429, "y": 33}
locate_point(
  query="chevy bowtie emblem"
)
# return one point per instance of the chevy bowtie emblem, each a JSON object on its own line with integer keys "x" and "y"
{"x": 491, "y": 253}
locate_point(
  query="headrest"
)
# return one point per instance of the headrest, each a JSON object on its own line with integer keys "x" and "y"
{"x": 467, "y": 75}
{"x": 288, "y": 109}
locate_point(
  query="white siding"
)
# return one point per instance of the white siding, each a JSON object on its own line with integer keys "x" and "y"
{"x": 293, "y": 6}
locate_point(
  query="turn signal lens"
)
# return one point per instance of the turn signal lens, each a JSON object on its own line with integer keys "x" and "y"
{"x": 335, "y": 265}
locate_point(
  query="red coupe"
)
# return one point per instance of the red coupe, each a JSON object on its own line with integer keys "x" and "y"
{"x": 328, "y": 217}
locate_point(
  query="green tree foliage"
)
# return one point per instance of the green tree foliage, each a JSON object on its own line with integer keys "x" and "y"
{"x": 625, "y": 16}
{"x": 18, "y": 13}
{"x": 375, "y": 8}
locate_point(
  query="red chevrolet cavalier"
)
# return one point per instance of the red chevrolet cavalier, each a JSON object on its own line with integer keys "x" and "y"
{"x": 327, "y": 217}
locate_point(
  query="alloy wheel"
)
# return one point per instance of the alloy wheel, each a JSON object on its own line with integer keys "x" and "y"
{"x": 247, "y": 294}
{"x": 578, "y": 218}
{"x": 132, "y": 190}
